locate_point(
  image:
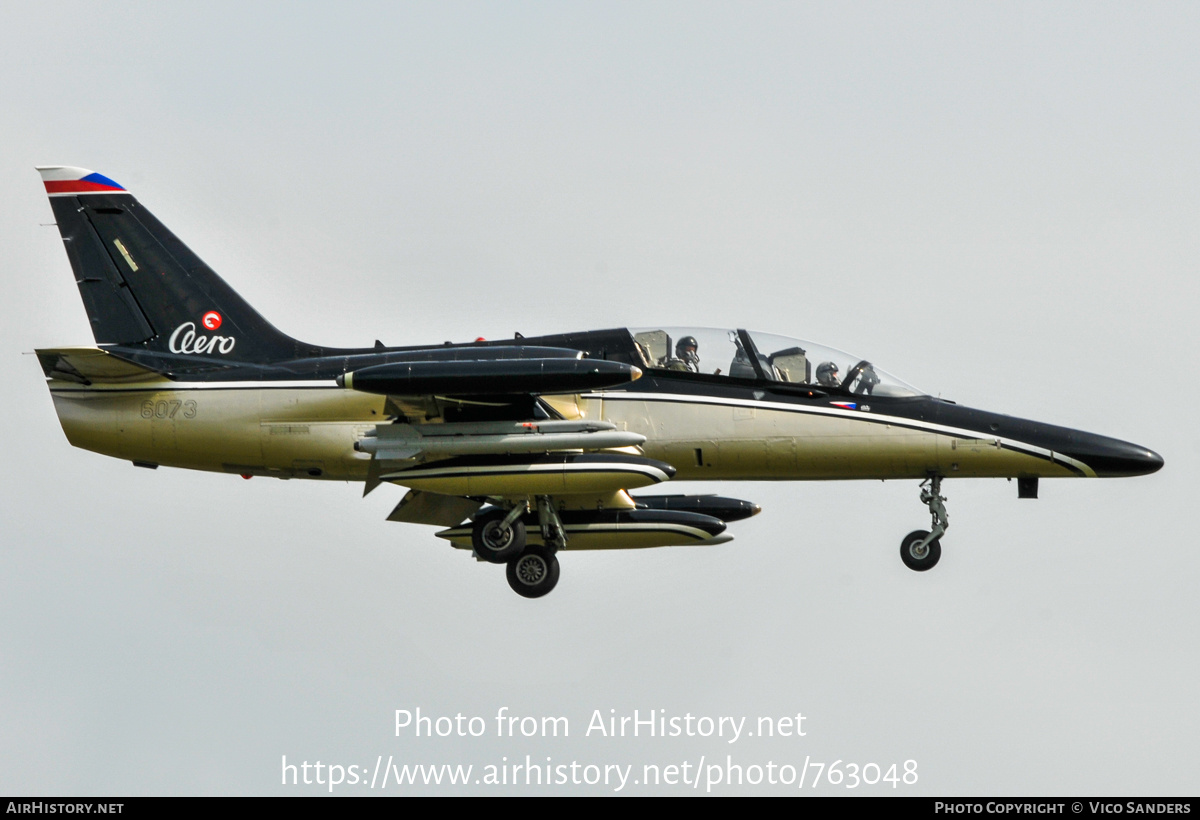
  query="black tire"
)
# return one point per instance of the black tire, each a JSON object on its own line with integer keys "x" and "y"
{"x": 496, "y": 545}
{"x": 916, "y": 561}
{"x": 534, "y": 572}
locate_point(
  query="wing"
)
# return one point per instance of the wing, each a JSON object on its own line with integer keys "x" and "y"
{"x": 506, "y": 436}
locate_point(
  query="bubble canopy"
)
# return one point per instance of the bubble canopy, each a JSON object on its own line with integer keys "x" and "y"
{"x": 749, "y": 354}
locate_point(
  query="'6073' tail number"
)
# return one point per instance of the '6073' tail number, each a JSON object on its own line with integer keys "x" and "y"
{"x": 168, "y": 409}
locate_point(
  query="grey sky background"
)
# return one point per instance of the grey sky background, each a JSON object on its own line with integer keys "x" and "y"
{"x": 995, "y": 202}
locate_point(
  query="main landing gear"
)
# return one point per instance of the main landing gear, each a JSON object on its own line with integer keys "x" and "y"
{"x": 921, "y": 549}
{"x": 498, "y": 535}
{"x": 499, "y": 538}
{"x": 534, "y": 572}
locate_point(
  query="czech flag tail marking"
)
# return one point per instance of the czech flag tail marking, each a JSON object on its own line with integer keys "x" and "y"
{"x": 63, "y": 180}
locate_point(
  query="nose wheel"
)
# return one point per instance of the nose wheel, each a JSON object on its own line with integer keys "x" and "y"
{"x": 922, "y": 549}
{"x": 919, "y": 553}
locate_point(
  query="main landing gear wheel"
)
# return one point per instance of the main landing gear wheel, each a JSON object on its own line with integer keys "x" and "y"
{"x": 534, "y": 573}
{"x": 919, "y": 556}
{"x": 494, "y": 541}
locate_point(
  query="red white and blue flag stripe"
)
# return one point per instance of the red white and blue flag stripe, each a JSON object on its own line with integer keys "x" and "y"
{"x": 62, "y": 180}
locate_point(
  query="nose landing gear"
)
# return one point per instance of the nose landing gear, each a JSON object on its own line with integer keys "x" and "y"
{"x": 921, "y": 549}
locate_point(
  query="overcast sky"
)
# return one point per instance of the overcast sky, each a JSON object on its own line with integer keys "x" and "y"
{"x": 996, "y": 202}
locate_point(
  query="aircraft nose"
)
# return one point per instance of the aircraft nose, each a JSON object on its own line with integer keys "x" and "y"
{"x": 1111, "y": 458}
{"x": 1144, "y": 462}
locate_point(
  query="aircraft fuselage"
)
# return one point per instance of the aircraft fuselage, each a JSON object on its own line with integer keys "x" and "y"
{"x": 756, "y": 432}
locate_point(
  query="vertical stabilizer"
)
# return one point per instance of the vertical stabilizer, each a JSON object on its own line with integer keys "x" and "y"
{"x": 142, "y": 287}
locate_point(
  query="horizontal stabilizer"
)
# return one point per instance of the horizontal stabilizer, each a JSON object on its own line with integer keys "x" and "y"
{"x": 91, "y": 365}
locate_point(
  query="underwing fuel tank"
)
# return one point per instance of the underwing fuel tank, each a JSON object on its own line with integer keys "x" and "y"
{"x": 488, "y": 378}
{"x": 617, "y": 529}
{"x": 726, "y": 509}
{"x": 522, "y": 475}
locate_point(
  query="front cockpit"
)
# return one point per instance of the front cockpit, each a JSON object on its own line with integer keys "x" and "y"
{"x": 751, "y": 355}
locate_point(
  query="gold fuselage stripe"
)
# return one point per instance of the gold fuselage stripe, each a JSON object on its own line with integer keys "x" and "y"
{"x": 308, "y": 429}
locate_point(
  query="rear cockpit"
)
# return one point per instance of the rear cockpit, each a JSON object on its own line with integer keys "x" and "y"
{"x": 742, "y": 354}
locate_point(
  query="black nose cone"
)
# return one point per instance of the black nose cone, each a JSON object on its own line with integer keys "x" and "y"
{"x": 1142, "y": 462}
{"x": 1111, "y": 458}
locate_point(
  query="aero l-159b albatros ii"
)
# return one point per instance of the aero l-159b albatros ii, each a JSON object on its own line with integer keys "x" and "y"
{"x": 518, "y": 448}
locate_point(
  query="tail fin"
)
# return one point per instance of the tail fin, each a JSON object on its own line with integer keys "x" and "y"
{"x": 142, "y": 287}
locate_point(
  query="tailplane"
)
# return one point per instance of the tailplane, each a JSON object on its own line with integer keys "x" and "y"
{"x": 142, "y": 287}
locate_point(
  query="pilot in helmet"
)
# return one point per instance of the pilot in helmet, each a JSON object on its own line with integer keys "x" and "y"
{"x": 686, "y": 352}
{"x": 827, "y": 374}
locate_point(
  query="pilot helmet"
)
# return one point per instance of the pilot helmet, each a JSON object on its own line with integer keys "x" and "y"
{"x": 686, "y": 349}
{"x": 827, "y": 374}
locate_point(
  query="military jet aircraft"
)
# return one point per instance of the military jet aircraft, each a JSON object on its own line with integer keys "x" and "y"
{"x": 519, "y": 448}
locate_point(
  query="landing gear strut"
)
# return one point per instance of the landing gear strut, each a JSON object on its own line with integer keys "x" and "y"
{"x": 553, "y": 533}
{"x": 921, "y": 549}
